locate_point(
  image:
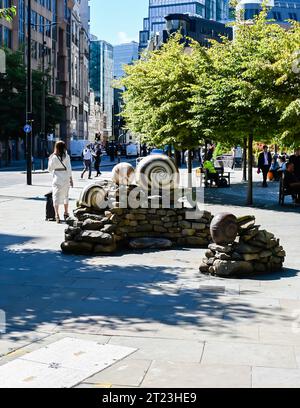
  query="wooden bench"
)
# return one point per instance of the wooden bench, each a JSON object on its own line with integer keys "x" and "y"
{"x": 224, "y": 174}
{"x": 208, "y": 182}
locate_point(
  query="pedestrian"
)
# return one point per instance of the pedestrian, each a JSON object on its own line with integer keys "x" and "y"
{"x": 112, "y": 151}
{"x": 264, "y": 164}
{"x": 233, "y": 154}
{"x": 292, "y": 182}
{"x": 274, "y": 169}
{"x": 97, "y": 155}
{"x": 295, "y": 159}
{"x": 87, "y": 161}
{"x": 144, "y": 150}
{"x": 212, "y": 173}
{"x": 60, "y": 167}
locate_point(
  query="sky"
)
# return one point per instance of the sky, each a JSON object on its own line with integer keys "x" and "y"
{"x": 118, "y": 21}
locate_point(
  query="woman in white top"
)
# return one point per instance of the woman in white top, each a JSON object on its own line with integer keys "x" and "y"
{"x": 60, "y": 167}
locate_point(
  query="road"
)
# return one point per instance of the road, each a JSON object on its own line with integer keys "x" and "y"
{"x": 17, "y": 176}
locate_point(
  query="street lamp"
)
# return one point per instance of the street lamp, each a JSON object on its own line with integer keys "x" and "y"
{"x": 29, "y": 97}
{"x": 29, "y": 93}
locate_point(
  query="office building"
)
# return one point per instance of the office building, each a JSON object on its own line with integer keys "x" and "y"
{"x": 124, "y": 54}
{"x": 66, "y": 49}
{"x": 79, "y": 72}
{"x": 101, "y": 82}
{"x": 155, "y": 24}
{"x": 197, "y": 28}
{"x": 280, "y": 11}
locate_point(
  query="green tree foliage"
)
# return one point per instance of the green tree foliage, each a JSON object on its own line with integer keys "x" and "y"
{"x": 251, "y": 88}
{"x": 8, "y": 13}
{"x": 158, "y": 91}
{"x": 245, "y": 88}
{"x": 13, "y": 100}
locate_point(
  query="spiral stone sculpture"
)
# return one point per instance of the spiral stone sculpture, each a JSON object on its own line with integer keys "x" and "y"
{"x": 224, "y": 228}
{"x": 157, "y": 172}
{"x": 123, "y": 174}
{"x": 93, "y": 196}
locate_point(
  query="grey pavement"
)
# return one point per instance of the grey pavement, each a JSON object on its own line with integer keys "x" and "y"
{"x": 189, "y": 330}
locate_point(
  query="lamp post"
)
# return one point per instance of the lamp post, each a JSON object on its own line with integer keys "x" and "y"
{"x": 29, "y": 97}
{"x": 43, "y": 103}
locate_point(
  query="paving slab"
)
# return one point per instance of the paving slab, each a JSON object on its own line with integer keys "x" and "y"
{"x": 62, "y": 364}
{"x": 164, "y": 374}
{"x": 128, "y": 372}
{"x": 275, "y": 377}
{"x": 162, "y": 349}
{"x": 249, "y": 354}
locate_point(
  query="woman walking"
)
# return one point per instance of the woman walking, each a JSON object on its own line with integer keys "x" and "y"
{"x": 60, "y": 167}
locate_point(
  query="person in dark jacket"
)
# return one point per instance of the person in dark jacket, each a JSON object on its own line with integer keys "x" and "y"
{"x": 97, "y": 156}
{"x": 295, "y": 159}
{"x": 292, "y": 182}
{"x": 264, "y": 164}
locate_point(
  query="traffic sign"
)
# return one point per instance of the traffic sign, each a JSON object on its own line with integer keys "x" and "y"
{"x": 27, "y": 129}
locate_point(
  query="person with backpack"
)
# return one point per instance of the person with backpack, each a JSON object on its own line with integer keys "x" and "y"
{"x": 87, "y": 161}
{"x": 60, "y": 167}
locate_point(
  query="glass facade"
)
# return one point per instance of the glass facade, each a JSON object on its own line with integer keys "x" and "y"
{"x": 124, "y": 54}
{"x": 101, "y": 78}
{"x": 281, "y": 12}
{"x": 217, "y": 10}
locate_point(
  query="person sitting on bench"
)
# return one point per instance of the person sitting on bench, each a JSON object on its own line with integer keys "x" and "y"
{"x": 291, "y": 182}
{"x": 212, "y": 173}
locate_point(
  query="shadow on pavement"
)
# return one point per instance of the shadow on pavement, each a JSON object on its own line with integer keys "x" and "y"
{"x": 47, "y": 291}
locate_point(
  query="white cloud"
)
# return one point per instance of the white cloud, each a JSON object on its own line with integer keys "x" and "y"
{"x": 125, "y": 38}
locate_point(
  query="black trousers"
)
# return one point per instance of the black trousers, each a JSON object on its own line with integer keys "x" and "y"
{"x": 97, "y": 166}
{"x": 87, "y": 167}
{"x": 265, "y": 171}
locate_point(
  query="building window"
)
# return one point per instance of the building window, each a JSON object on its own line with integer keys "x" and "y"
{"x": 277, "y": 16}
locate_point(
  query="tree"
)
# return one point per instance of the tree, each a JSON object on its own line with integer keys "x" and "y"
{"x": 245, "y": 92}
{"x": 13, "y": 100}
{"x": 8, "y": 13}
{"x": 157, "y": 96}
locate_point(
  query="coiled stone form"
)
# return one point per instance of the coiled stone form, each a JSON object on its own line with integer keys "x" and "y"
{"x": 224, "y": 228}
{"x": 123, "y": 174}
{"x": 93, "y": 196}
{"x": 157, "y": 172}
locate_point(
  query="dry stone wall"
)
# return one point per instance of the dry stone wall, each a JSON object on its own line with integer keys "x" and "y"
{"x": 103, "y": 232}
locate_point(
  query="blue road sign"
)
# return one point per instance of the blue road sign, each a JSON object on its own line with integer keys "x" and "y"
{"x": 27, "y": 128}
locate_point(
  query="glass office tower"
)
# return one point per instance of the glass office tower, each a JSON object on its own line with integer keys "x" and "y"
{"x": 281, "y": 11}
{"x": 101, "y": 80}
{"x": 124, "y": 54}
{"x": 155, "y": 23}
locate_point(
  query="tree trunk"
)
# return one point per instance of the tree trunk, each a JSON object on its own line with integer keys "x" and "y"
{"x": 250, "y": 171}
{"x": 178, "y": 158}
{"x": 205, "y": 149}
{"x": 6, "y": 153}
{"x": 169, "y": 150}
{"x": 190, "y": 168}
{"x": 245, "y": 160}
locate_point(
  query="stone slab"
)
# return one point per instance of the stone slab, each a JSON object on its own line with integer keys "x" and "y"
{"x": 249, "y": 354}
{"x": 61, "y": 364}
{"x": 129, "y": 372}
{"x": 162, "y": 349}
{"x": 263, "y": 377}
{"x": 191, "y": 375}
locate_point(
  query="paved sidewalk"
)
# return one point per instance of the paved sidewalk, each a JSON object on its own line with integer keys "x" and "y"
{"x": 190, "y": 331}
